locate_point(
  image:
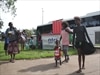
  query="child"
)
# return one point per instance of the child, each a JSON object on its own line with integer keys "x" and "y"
{"x": 27, "y": 45}
{"x": 65, "y": 39}
{"x": 57, "y": 52}
{"x": 31, "y": 43}
{"x": 6, "y": 45}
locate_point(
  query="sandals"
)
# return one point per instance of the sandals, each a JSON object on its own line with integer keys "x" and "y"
{"x": 83, "y": 68}
{"x": 11, "y": 60}
{"x": 79, "y": 71}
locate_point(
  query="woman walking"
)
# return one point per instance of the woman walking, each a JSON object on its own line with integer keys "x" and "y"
{"x": 13, "y": 48}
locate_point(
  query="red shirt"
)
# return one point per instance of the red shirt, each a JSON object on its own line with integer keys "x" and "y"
{"x": 57, "y": 52}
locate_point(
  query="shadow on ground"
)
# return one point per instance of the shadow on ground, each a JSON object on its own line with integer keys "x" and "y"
{"x": 46, "y": 67}
{"x": 4, "y": 62}
{"x": 43, "y": 67}
{"x": 74, "y": 73}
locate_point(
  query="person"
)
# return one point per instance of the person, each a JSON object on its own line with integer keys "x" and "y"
{"x": 79, "y": 38}
{"x": 57, "y": 52}
{"x": 31, "y": 43}
{"x": 27, "y": 44}
{"x": 65, "y": 39}
{"x": 6, "y": 44}
{"x": 13, "y": 48}
{"x": 23, "y": 39}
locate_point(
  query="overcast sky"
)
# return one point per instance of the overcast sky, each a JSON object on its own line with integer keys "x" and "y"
{"x": 29, "y": 12}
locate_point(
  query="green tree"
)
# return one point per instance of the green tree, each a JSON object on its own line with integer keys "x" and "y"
{"x": 7, "y": 6}
{"x": 30, "y": 32}
{"x": 33, "y": 31}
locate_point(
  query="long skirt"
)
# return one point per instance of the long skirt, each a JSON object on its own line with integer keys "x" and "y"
{"x": 13, "y": 48}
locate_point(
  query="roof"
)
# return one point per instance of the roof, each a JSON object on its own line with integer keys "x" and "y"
{"x": 44, "y": 24}
{"x": 93, "y": 13}
{"x": 48, "y": 23}
{"x": 87, "y": 15}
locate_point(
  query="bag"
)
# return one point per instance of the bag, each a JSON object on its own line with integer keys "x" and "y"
{"x": 22, "y": 36}
{"x": 88, "y": 48}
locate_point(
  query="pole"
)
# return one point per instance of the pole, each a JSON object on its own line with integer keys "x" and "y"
{"x": 42, "y": 15}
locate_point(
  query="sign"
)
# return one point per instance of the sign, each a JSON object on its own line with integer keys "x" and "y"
{"x": 48, "y": 41}
{"x": 56, "y": 27}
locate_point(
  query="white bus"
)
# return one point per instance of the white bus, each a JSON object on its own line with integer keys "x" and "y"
{"x": 91, "y": 21}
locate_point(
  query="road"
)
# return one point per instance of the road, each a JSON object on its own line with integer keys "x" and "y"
{"x": 46, "y": 66}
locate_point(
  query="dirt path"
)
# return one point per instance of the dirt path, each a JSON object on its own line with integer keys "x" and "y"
{"x": 46, "y": 67}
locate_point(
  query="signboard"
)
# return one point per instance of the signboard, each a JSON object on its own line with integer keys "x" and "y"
{"x": 56, "y": 27}
{"x": 48, "y": 41}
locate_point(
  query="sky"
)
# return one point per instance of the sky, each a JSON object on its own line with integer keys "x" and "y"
{"x": 33, "y": 13}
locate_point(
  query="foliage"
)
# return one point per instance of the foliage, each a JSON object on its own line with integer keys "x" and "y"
{"x": 33, "y": 31}
{"x": 30, "y": 32}
{"x": 7, "y": 6}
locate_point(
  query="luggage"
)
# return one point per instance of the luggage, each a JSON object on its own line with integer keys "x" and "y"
{"x": 88, "y": 48}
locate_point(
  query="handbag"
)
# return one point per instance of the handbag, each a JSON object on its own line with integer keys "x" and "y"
{"x": 88, "y": 48}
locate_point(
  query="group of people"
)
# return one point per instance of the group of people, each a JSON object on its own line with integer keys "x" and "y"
{"x": 30, "y": 43}
{"x": 79, "y": 37}
{"x": 13, "y": 38}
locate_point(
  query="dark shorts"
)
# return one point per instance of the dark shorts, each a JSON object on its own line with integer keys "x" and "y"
{"x": 65, "y": 50}
{"x": 79, "y": 44}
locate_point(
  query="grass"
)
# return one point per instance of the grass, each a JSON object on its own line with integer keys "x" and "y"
{"x": 31, "y": 54}
{"x": 97, "y": 45}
